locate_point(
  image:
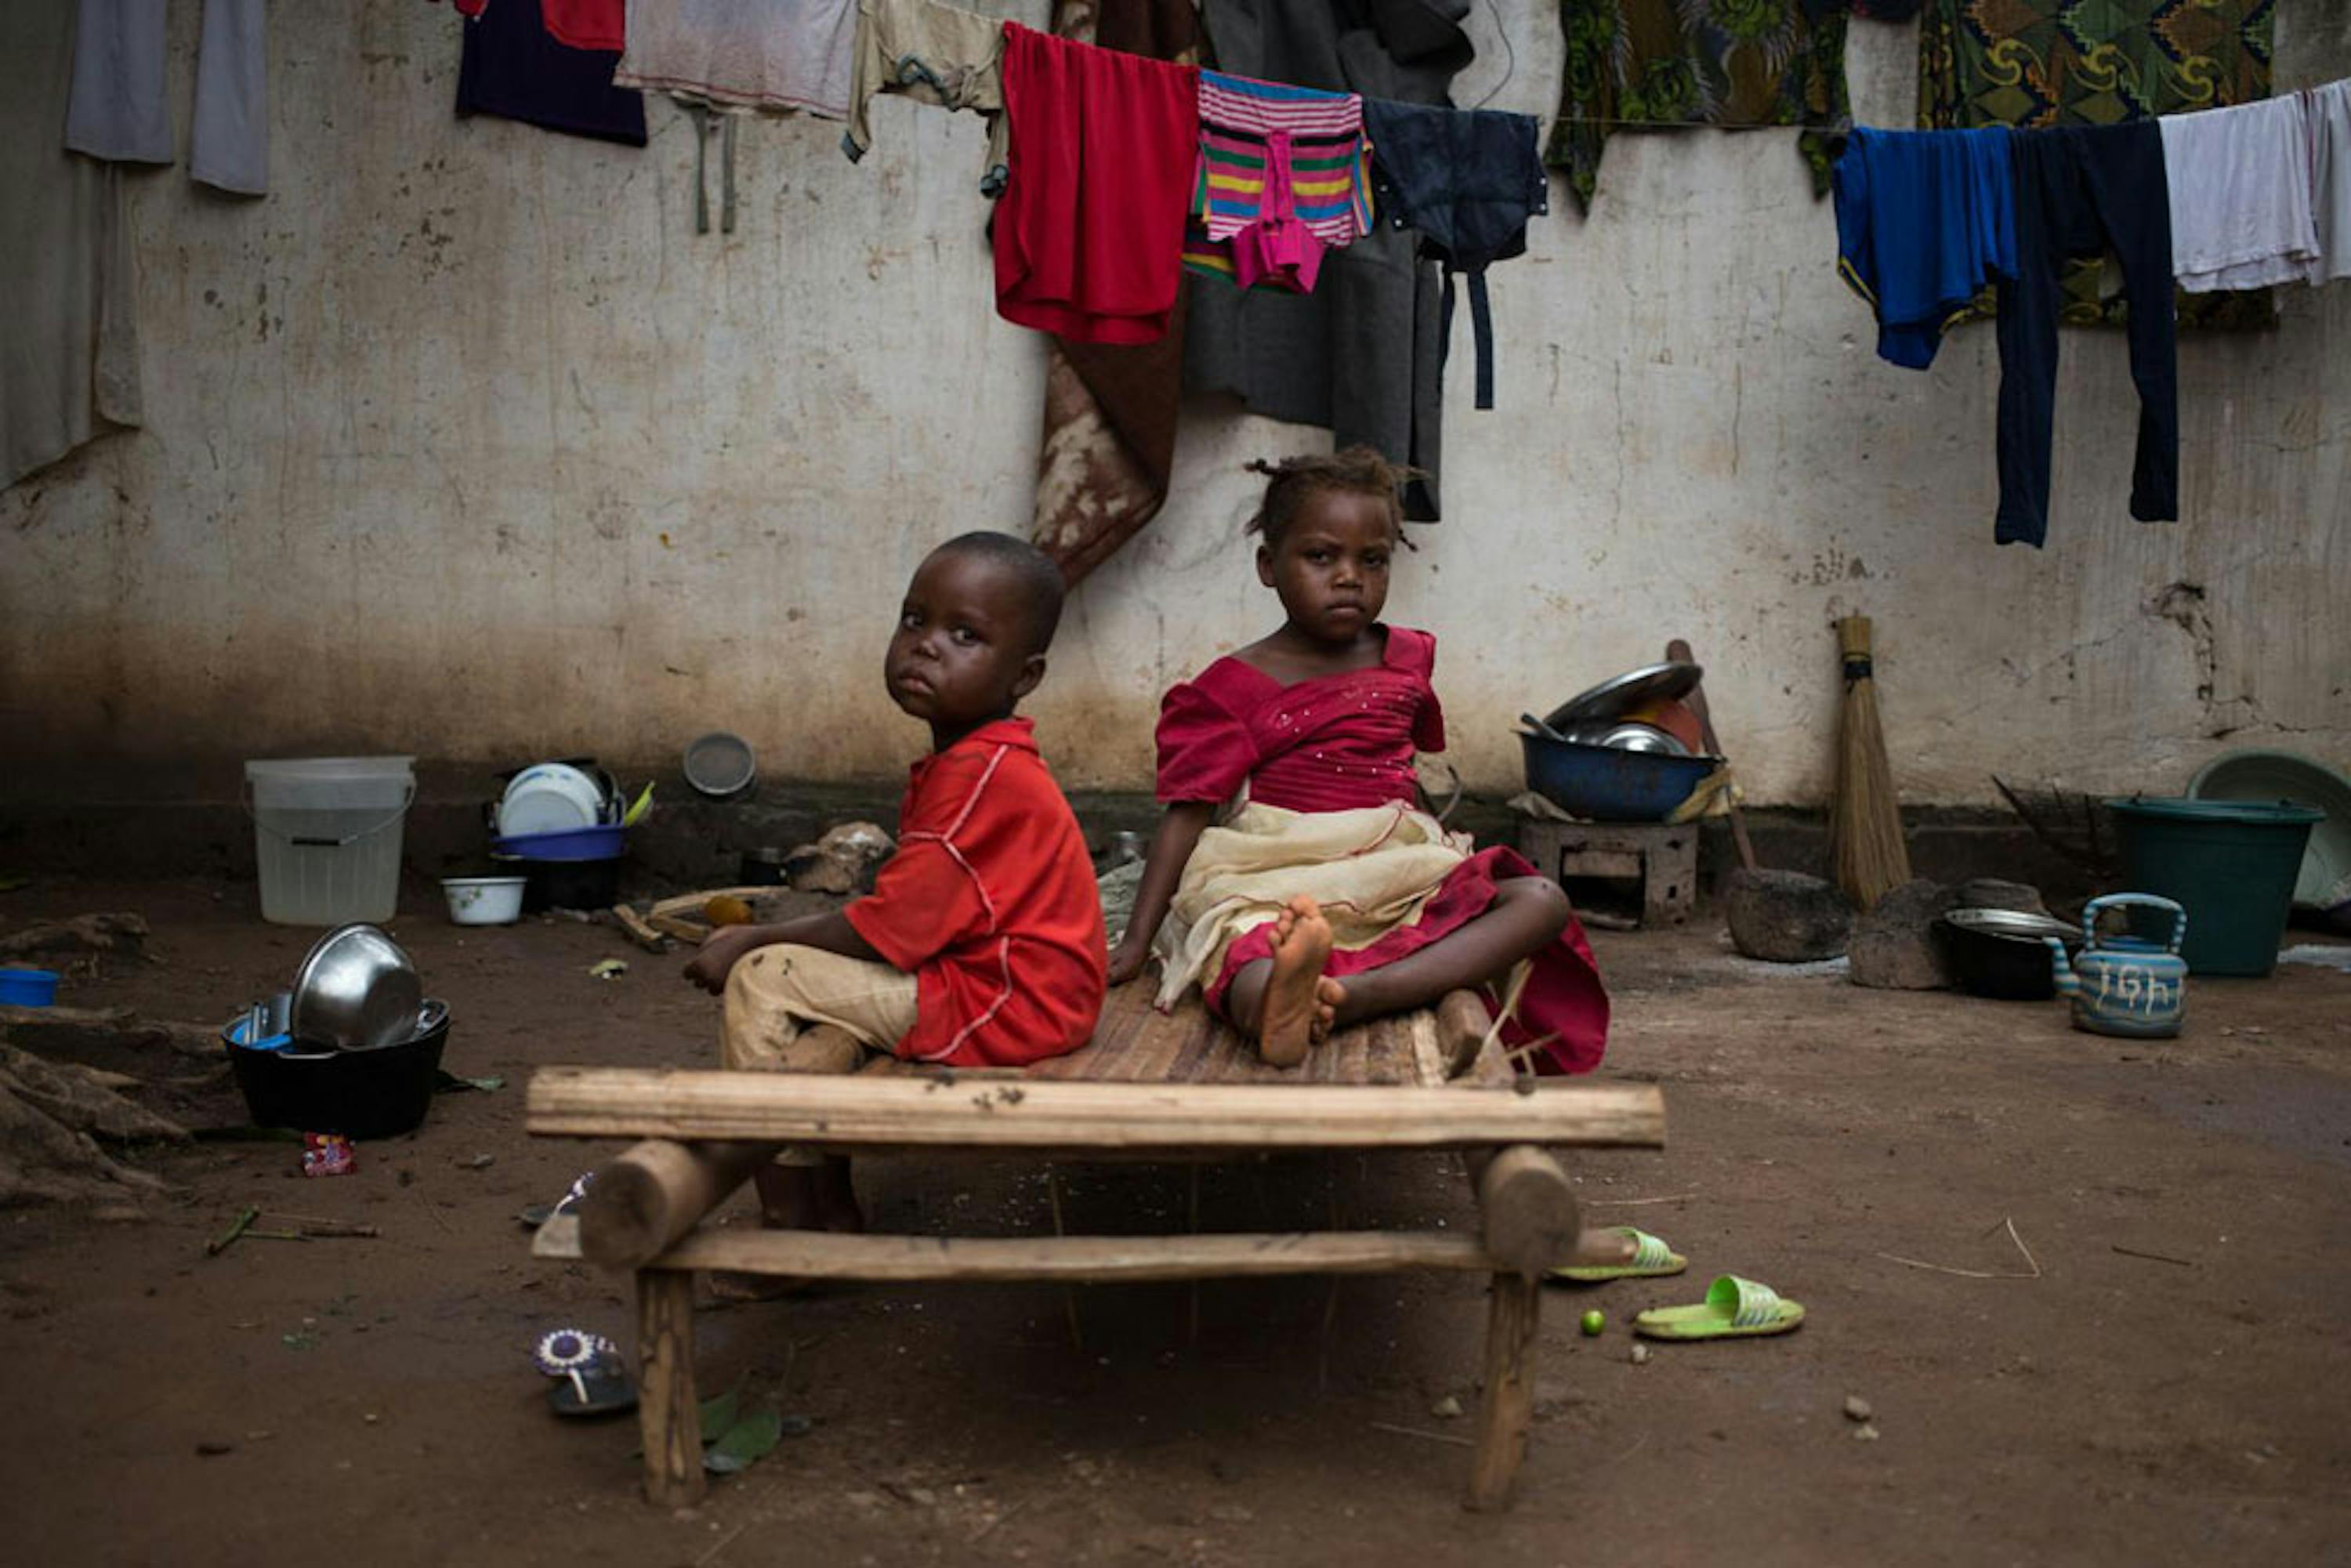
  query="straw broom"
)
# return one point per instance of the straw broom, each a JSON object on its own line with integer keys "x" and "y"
{"x": 1865, "y": 819}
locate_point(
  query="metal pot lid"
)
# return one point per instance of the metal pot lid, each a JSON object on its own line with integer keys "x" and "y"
{"x": 2013, "y": 924}
{"x": 1612, "y": 696}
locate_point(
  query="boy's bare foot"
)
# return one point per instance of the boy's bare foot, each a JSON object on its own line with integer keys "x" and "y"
{"x": 1295, "y": 1012}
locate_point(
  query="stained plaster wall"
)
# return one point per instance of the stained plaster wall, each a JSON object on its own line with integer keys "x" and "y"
{"x": 463, "y": 443}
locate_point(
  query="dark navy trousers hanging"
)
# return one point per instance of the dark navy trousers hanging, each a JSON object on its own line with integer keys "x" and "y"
{"x": 2082, "y": 191}
{"x": 1467, "y": 180}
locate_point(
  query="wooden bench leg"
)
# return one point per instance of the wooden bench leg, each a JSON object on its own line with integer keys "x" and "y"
{"x": 1508, "y": 1407}
{"x": 668, "y": 1414}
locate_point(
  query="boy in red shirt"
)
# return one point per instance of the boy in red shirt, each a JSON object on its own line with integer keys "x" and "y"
{"x": 982, "y": 942}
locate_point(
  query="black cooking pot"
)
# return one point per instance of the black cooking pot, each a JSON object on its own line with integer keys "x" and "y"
{"x": 2001, "y": 952}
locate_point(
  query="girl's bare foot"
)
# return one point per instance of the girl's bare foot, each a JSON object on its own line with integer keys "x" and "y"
{"x": 1297, "y": 1011}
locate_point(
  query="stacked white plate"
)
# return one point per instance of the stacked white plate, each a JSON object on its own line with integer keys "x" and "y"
{"x": 549, "y": 798}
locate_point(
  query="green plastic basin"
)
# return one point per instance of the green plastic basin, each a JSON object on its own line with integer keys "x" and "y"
{"x": 2231, "y": 865}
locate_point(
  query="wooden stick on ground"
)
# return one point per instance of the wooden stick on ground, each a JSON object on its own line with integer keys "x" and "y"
{"x": 1679, "y": 653}
{"x": 690, "y": 932}
{"x": 694, "y": 902}
{"x": 634, "y": 927}
{"x": 227, "y": 1239}
{"x": 655, "y": 1192}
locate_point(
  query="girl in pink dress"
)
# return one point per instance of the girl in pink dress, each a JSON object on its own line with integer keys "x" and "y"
{"x": 1295, "y": 878}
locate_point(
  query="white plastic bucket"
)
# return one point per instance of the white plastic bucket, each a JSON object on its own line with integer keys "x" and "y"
{"x": 326, "y": 833}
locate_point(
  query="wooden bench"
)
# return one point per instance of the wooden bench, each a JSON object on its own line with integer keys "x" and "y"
{"x": 1178, "y": 1086}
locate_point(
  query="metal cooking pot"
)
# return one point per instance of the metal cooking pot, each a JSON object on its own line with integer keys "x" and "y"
{"x": 1999, "y": 952}
{"x": 356, "y": 990}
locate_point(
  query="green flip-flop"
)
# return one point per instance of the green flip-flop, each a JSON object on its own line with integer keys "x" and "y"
{"x": 1652, "y": 1259}
{"x": 1733, "y": 1308}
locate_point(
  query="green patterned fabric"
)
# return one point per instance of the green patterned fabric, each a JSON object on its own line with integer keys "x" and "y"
{"x": 1730, "y": 63}
{"x": 2035, "y": 63}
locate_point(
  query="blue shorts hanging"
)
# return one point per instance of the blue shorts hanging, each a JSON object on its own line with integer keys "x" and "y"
{"x": 1925, "y": 221}
{"x": 1465, "y": 179}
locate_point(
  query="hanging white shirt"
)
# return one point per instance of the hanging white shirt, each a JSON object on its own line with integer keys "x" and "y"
{"x": 2328, "y": 111}
{"x": 2240, "y": 180}
{"x": 754, "y": 54}
{"x": 230, "y": 147}
{"x": 119, "y": 109}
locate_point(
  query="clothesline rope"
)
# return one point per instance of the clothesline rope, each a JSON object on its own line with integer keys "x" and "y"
{"x": 1833, "y": 129}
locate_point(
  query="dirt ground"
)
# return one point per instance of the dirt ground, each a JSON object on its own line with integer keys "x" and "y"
{"x": 369, "y": 1401}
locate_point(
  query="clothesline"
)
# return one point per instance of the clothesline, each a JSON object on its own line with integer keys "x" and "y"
{"x": 1797, "y": 125}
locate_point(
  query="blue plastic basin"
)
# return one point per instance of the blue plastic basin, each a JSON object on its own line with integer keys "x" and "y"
{"x": 28, "y": 987}
{"x": 1609, "y": 785}
{"x": 598, "y": 844}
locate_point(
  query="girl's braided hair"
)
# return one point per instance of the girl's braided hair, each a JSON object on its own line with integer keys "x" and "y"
{"x": 1359, "y": 469}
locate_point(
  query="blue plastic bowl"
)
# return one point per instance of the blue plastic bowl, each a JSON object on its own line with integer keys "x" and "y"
{"x": 1606, "y": 784}
{"x": 598, "y": 844}
{"x": 28, "y": 987}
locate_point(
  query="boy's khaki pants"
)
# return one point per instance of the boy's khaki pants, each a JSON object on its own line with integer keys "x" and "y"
{"x": 776, "y": 998}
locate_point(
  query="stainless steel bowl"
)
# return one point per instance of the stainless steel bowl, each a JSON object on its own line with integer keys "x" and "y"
{"x": 1628, "y": 735}
{"x": 356, "y": 990}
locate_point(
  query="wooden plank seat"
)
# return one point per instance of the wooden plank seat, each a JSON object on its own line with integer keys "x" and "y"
{"x": 1177, "y": 1085}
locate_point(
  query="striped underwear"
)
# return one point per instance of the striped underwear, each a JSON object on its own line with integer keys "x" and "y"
{"x": 1284, "y": 173}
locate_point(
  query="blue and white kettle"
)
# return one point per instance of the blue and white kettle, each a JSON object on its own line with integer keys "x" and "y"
{"x": 2122, "y": 984}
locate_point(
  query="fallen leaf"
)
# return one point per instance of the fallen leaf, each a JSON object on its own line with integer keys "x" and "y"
{"x": 447, "y": 1082}
{"x": 718, "y": 1414}
{"x": 745, "y": 1443}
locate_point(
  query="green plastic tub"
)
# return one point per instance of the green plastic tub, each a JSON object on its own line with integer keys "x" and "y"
{"x": 2229, "y": 864}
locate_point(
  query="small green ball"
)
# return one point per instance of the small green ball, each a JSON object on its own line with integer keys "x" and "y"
{"x": 1593, "y": 1322}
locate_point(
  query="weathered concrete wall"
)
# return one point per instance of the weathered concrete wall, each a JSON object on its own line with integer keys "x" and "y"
{"x": 463, "y": 442}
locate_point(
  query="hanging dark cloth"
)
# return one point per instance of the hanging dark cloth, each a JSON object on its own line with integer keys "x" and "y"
{"x": 513, "y": 67}
{"x": 2085, "y": 192}
{"x": 1668, "y": 63}
{"x": 2033, "y": 64}
{"x": 1466, "y": 181}
{"x": 1362, "y": 356}
{"x": 1110, "y": 411}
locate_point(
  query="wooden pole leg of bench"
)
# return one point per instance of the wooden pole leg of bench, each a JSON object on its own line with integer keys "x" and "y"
{"x": 668, "y": 1414}
{"x": 1506, "y": 1409}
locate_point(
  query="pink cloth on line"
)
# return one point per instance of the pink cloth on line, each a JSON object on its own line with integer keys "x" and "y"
{"x": 1278, "y": 249}
{"x": 585, "y": 24}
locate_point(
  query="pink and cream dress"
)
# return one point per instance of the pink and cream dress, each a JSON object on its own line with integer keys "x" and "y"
{"x": 1320, "y": 797}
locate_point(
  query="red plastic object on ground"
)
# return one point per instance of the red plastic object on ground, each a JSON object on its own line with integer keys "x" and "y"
{"x": 327, "y": 1153}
